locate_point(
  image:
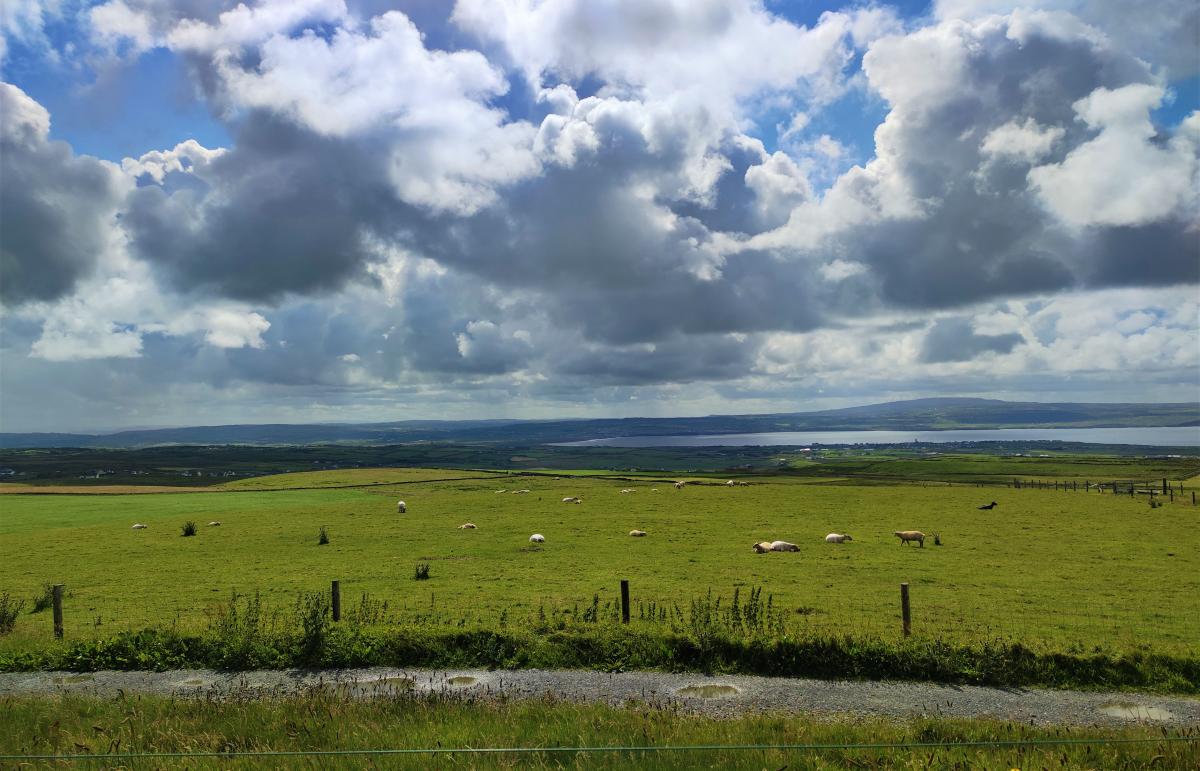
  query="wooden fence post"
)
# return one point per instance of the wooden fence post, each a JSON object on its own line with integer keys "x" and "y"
{"x": 56, "y": 594}
{"x": 624, "y": 602}
{"x": 336, "y": 590}
{"x": 905, "y": 611}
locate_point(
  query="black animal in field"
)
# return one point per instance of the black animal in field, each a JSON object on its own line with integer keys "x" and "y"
{"x": 988, "y": 506}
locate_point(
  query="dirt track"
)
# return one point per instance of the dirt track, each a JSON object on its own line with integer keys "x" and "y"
{"x": 721, "y": 696}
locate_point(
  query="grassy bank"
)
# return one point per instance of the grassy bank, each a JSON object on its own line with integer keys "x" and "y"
{"x": 323, "y": 721}
{"x": 738, "y": 635}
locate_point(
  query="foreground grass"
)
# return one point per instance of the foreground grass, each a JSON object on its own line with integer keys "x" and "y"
{"x": 323, "y": 720}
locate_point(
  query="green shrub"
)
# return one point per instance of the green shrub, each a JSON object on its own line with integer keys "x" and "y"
{"x": 421, "y": 571}
{"x": 322, "y": 537}
{"x": 189, "y": 528}
{"x": 9, "y": 610}
{"x": 44, "y": 600}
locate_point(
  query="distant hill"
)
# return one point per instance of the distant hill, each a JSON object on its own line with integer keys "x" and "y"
{"x": 912, "y": 415}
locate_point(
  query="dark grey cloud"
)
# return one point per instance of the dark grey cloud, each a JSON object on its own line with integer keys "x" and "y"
{"x": 56, "y": 208}
{"x": 954, "y": 339}
{"x": 285, "y": 211}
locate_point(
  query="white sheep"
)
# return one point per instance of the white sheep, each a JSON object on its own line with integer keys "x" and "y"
{"x": 138, "y": 526}
{"x": 628, "y": 490}
{"x": 730, "y": 483}
{"x": 214, "y": 523}
{"x": 502, "y": 491}
{"x": 467, "y": 526}
{"x": 537, "y": 538}
{"x": 762, "y": 547}
{"x": 679, "y": 485}
{"x": 837, "y": 538}
{"x": 401, "y": 507}
{"x": 572, "y": 499}
{"x": 519, "y": 492}
{"x": 637, "y": 533}
{"x": 910, "y": 535}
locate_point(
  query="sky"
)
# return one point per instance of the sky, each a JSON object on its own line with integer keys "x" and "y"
{"x": 363, "y": 210}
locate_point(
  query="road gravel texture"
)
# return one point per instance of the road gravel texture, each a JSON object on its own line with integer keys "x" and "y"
{"x": 719, "y": 696}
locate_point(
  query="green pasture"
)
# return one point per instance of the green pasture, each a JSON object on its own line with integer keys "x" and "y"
{"x": 1066, "y": 570}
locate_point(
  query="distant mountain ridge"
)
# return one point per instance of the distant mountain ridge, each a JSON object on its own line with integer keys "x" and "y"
{"x": 911, "y": 415}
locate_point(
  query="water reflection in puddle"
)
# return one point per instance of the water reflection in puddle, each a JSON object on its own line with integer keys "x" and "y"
{"x": 714, "y": 691}
{"x": 1136, "y": 712}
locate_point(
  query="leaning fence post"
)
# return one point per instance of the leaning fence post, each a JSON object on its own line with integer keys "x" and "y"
{"x": 336, "y": 590}
{"x": 624, "y": 602}
{"x": 57, "y": 593}
{"x": 905, "y": 613}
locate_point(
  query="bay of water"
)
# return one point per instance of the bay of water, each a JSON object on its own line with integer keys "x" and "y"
{"x": 1188, "y": 436}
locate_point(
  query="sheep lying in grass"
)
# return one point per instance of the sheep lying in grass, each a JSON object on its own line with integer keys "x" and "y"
{"x": 467, "y": 526}
{"x": 763, "y": 547}
{"x": 572, "y": 499}
{"x": 628, "y": 490}
{"x": 138, "y": 526}
{"x": 910, "y": 535}
{"x": 537, "y": 538}
{"x": 837, "y": 538}
{"x": 214, "y": 523}
{"x": 637, "y": 533}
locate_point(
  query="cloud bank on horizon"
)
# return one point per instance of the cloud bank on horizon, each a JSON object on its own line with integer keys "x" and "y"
{"x": 591, "y": 207}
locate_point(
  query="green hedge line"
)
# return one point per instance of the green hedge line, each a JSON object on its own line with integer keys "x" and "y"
{"x": 614, "y": 648}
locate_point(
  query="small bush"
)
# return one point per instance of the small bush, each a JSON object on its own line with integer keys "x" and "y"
{"x": 322, "y": 537}
{"x": 421, "y": 572}
{"x": 44, "y": 600}
{"x": 9, "y": 609}
{"x": 189, "y": 528}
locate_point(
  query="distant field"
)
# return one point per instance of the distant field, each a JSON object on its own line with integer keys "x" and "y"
{"x": 1065, "y": 570}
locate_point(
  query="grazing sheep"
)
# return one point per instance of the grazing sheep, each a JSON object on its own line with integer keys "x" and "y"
{"x": 401, "y": 508}
{"x": 537, "y": 538}
{"x": 910, "y": 535}
{"x": 989, "y": 506}
{"x": 730, "y": 483}
{"x": 837, "y": 538}
{"x": 572, "y": 499}
{"x": 467, "y": 526}
{"x": 637, "y": 533}
{"x": 214, "y": 523}
{"x": 138, "y": 526}
{"x": 679, "y": 485}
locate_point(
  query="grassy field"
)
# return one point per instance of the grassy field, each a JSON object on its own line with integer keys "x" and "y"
{"x": 1067, "y": 571}
{"x": 326, "y": 721}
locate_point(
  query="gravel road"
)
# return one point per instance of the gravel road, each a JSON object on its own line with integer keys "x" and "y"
{"x": 722, "y": 696}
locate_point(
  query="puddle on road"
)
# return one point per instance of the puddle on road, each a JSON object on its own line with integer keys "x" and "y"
{"x": 714, "y": 691}
{"x": 461, "y": 681}
{"x": 1136, "y": 712}
{"x": 68, "y": 679}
